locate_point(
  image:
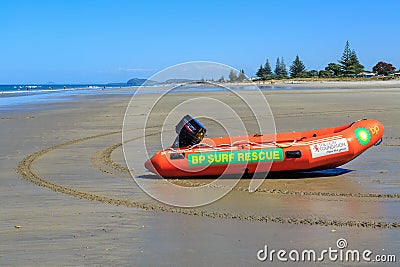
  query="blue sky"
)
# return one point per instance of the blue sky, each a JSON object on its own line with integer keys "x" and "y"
{"x": 112, "y": 41}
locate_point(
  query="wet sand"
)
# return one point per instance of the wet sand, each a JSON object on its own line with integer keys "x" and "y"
{"x": 87, "y": 210}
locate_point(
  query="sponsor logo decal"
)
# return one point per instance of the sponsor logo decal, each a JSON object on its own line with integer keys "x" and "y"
{"x": 363, "y": 135}
{"x": 235, "y": 157}
{"x": 188, "y": 126}
{"x": 375, "y": 129}
{"x": 329, "y": 148}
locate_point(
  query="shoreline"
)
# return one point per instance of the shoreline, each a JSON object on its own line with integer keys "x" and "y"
{"x": 291, "y": 81}
{"x": 11, "y": 100}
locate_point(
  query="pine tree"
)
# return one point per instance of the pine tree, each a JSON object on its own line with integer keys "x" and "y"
{"x": 267, "y": 74}
{"x": 278, "y": 68}
{"x": 355, "y": 66}
{"x": 232, "y": 76}
{"x": 345, "y": 59}
{"x": 283, "y": 68}
{"x": 349, "y": 63}
{"x": 241, "y": 76}
{"x": 260, "y": 72}
{"x": 264, "y": 72}
{"x": 267, "y": 68}
{"x": 297, "y": 68}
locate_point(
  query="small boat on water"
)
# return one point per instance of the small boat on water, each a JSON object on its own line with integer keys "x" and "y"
{"x": 192, "y": 155}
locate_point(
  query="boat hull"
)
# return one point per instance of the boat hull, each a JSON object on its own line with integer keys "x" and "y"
{"x": 298, "y": 151}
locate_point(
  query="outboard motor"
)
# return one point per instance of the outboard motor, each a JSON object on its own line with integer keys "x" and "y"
{"x": 190, "y": 132}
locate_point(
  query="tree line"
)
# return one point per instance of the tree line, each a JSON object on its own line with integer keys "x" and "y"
{"x": 348, "y": 66}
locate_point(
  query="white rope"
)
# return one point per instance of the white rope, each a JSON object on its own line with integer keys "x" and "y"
{"x": 235, "y": 144}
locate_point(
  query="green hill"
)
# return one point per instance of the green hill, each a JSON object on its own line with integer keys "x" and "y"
{"x": 138, "y": 82}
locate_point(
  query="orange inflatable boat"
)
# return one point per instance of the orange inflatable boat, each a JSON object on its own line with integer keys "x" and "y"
{"x": 193, "y": 156}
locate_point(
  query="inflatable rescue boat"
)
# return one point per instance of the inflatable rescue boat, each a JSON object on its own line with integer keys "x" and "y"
{"x": 192, "y": 155}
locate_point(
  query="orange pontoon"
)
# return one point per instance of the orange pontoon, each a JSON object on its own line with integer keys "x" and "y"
{"x": 298, "y": 151}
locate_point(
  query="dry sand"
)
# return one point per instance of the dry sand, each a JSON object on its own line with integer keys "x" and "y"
{"x": 88, "y": 211}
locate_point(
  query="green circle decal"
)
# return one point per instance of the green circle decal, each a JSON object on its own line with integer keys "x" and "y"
{"x": 363, "y": 135}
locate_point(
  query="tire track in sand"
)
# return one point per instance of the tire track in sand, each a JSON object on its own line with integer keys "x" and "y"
{"x": 25, "y": 170}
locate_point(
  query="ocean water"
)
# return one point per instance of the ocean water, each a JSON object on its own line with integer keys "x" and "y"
{"x": 28, "y": 88}
{"x": 12, "y": 96}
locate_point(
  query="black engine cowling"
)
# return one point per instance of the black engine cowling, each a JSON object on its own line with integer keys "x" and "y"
{"x": 190, "y": 132}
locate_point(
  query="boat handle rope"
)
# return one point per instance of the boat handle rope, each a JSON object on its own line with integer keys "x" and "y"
{"x": 234, "y": 144}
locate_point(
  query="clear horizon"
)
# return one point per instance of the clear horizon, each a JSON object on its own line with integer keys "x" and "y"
{"x": 83, "y": 42}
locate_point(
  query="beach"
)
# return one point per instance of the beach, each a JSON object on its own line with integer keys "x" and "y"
{"x": 67, "y": 197}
